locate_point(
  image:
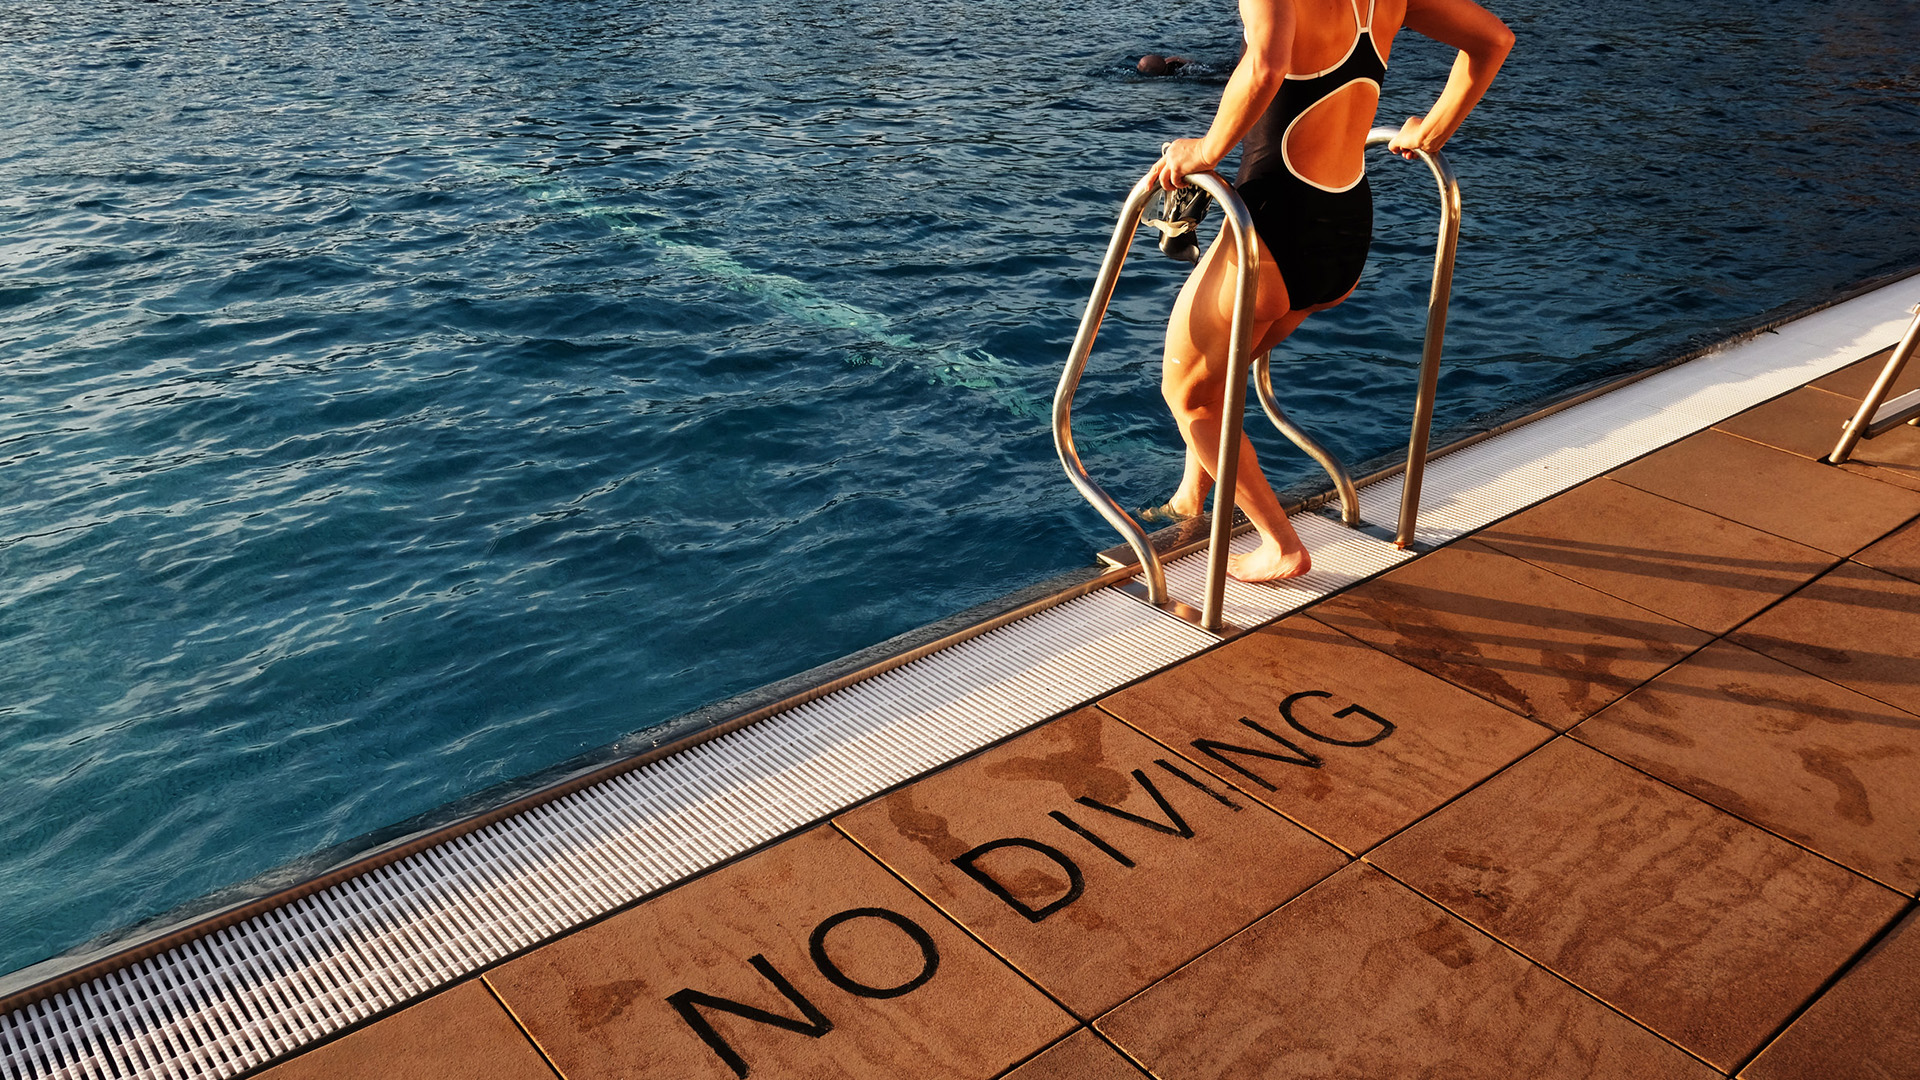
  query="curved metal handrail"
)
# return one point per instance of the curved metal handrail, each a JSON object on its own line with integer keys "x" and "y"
{"x": 1877, "y": 416}
{"x": 1437, "y": 298}
{"x": 1342, "y": 480}
{"x": 1240, "y": 224}
{"x": 1233, "y": 405}
{"x": 1116, "y": 256}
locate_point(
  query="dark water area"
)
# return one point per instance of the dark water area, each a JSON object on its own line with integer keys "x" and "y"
{"x": 398, "y": 398}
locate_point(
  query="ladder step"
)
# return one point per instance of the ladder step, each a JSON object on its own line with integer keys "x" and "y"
{"x": 1175, "y": 540}
{"x": 1894, "y": 413}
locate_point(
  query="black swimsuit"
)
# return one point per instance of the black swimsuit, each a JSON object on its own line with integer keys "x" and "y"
{"x": 1318, "y": 235}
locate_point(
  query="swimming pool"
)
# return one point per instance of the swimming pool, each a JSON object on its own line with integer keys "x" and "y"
{"x": 404, "y": 397}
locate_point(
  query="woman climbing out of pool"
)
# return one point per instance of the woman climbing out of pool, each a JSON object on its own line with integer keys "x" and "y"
{"x": 1302, "y": 97}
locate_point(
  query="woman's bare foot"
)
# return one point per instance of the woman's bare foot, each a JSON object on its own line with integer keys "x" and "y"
{"x": 1269, "y": 562}
{"x": 1187, "y": 504}
{"x": 1190, "y": 498}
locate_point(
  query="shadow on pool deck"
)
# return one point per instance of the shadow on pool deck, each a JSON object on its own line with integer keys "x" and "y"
{"x": 1627, "y": 785}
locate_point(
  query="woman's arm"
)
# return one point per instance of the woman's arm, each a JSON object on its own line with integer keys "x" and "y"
{"x": 1256, "y": 79}
{"x": 1483, "y": 41}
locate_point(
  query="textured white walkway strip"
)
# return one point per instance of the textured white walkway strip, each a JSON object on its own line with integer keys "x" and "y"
{"x": 1474, "y": 487}
{"x": 1341, "y": 556}
{"x": 244, "y": 995}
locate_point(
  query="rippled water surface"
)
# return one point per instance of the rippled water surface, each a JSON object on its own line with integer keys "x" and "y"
{"x": 402, "y": 397}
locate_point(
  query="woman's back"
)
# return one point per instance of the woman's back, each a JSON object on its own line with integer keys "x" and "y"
{"x": 1317, "y": 125}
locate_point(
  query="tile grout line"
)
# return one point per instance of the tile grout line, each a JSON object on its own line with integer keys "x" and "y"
{"x": 1209, "y": 951}
{"x": 1821, "y": 461}
{"x": 1789, "y": 663}
{"x": 1552, "y": 738}
{"x": 1516, "y": 951}
{"x": 1835, "y": 560}
{"x": 1662, "y": 616}
{"x": 1023, "y": 1062}
{"x": 1616, "y": 478}
{"x": 1121, "y": 1050}
{"x": 1819, "y": 994}
{"x": 545, "y": 1057}
{"x": 1912, "y": 522}
{"x": 1769, "y": 830}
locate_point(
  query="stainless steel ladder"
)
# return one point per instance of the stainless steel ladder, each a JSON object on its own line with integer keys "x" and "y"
{"x": 1877, "y": 415}
{"x": 1240, "y": 225}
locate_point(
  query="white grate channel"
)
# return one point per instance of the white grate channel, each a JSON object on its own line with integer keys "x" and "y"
{"x": 1341, "y": 557}
{"x": 242, "y": 996}
{"x": 1474, "y": 487}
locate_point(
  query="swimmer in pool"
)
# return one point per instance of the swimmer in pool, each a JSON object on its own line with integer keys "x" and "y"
{"x": 1302, "y": 99}
{"x": 1155, "y": 64}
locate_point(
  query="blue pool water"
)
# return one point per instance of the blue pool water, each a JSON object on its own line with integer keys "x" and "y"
{"x": 400, "y": 397}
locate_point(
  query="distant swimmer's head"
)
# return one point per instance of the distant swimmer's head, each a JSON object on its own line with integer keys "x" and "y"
{"x": 1155, "y": 64}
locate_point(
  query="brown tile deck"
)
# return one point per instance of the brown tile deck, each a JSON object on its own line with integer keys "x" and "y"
{"x": 1811, "y": 761}
{"x": 1768, "y": 489}
{"x": 1807, "y": 422}
{"x": 1542, "y": 645}
{"x": 994, "y": 841}
{"x": 1698, "y": 925}
{"x": 1363, "y": 978}
{"x": 1855, "y": 626}
{"x": 1855, "y": 380}
{"x": 458, "y": 1034}
{"x": 1866, "y": 1028}
{"x": 1674, "y": 884}
{"x": 1898, "y": 554}
{"x": 1665, "y": 556}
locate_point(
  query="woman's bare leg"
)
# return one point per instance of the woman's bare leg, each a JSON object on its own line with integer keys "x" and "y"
{"x": 1193, "y": 380}
{"x": 1190, "y": 498}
